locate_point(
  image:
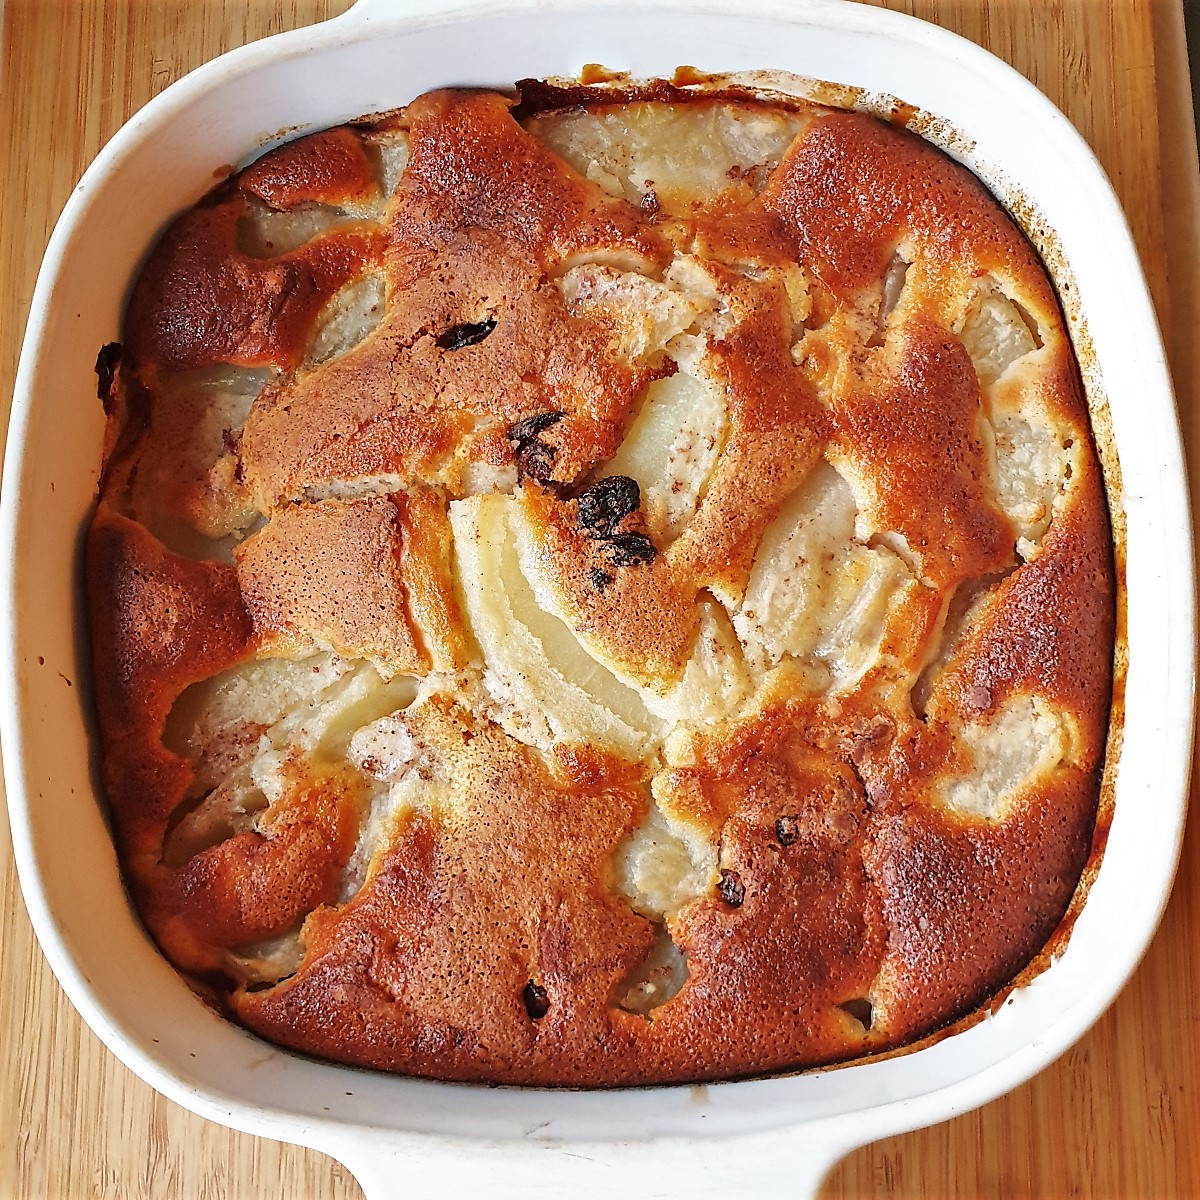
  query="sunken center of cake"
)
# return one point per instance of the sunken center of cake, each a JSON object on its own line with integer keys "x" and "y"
{"x": 609, "y": 586}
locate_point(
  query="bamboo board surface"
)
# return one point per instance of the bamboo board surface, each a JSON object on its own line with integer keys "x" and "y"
{"x": 1118, "y": 1116}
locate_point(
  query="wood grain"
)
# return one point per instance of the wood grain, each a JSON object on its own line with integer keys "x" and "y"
{"x": 1117, "y": 1116}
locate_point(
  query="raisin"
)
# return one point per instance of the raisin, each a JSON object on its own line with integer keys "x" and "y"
{"x": 599, "y": 579}
{"x": 530, "y": 427}
{"x": 606, "y": 503}
{"x": 107, "y": 362}
{"x": 630, "y": 549}
{"x": 537, "y": 1002}
{"x": 787, "y": 830}
{"x": 535, "y": 459}
{"x": 731, "y": 888}
{"x": 470, "y": 334}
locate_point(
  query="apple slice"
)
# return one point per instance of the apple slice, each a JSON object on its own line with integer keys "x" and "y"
{"x": 680, "y": 155}
{"x": 1020, "y": 744}
{"x": 815, "y": 594}
{"x": 671, "y": 449}
{"x": 995, "y": 334}
{"x": 547, "y": 688}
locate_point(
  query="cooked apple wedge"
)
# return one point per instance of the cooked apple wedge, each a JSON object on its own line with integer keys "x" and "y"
{"x": 671, "y": 449}
{"x": 347, "y": 318}
{"x": 239, "y": 729}
{"x": 643, "y": 313}
{"x": 1031, "y": 464}
{"x": 815, "y": 594}
{"x": 716, "y": 679}
{"x": 546, "y": 686}
{"x": 681, "y": 155}
{"x": 995, "y": 334}
{"x": 1021, "y": 743}
{"x": 187, "y": 478}
{"x": 1031, "y": 455}
{"x": 664, "y": 865}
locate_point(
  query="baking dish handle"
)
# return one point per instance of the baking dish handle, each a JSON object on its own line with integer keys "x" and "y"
{"x": 790, "y": 1163}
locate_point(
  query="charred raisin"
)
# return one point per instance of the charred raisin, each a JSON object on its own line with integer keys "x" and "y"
{"x": 731, "y": 888}
{"x": 787, "y": 830}
{"x": 535, "y": 458}
{"x": 537, "y": 1002}
{"x": 530, "y": 427}
{"x": 630, "y": 549}
{"x": 458, "y": 336}
{"x": 606, "y": 503}
{"x": 107, "y": 362}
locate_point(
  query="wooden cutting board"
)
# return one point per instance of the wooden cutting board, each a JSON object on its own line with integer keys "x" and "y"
{"x": 1118, "y": 1116}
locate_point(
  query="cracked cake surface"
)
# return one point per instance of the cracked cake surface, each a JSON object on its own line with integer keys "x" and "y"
{"x": 599, "y": 585}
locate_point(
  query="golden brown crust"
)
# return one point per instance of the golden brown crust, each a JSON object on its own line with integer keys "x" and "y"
{"x": 854, "y": 187}
{"x": 472, "y": 927}
{"x": 330, "y": 167}
{"x": 911, "y": 426}
{"x": 499, "y": 884}
{"x": 870, "y": 845}
{"x": 330, "y": 574}
{"x": 483, "y": 218}
{"x": 258, "y": 884}
{"x": 641, "y": 613}
{"x": 201, "y": 301}
{"x": 159, "y": 622}
{"x": 966, "y": 905}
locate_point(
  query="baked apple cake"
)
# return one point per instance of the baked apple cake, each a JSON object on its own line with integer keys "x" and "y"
{"x": 600, "y": 584}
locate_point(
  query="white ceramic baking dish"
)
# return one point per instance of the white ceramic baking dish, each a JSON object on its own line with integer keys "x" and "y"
{"x": 765, "y": 1137}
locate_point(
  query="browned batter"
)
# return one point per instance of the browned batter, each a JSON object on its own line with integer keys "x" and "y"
{"x": 604, "y": 586}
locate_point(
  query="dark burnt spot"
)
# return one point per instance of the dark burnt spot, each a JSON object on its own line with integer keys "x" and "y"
{"x": 731, "y": 889}
{"x": 107, "y": 362}
{"x": 459, "y": 336}
{"x": 606, "y": 503}
{"x": 537, "y": 1003}
{"x": 599, "y": 579}
{"x": 535, "y": 458}
{"x": 536, "y": 95}
{"x": 630, "y": 549}
{"x": 649, "y": 203}
{"x": 787, "y": 830}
